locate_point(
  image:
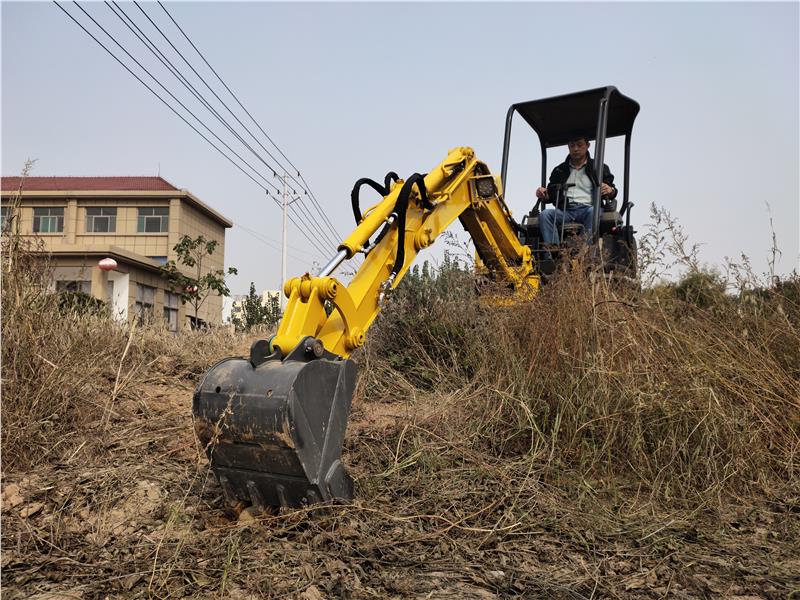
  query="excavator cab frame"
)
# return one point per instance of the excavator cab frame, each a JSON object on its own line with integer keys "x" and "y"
{"x": 599, "y": 113}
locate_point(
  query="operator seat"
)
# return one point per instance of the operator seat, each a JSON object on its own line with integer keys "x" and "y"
{"x": 609, "y": 218}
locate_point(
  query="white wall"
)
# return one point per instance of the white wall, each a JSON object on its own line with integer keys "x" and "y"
{"x": 119, "y": 299}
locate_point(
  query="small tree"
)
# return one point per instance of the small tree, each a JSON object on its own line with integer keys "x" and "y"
{"x": 257, "y": 312}
{"x": 272, "y": 311}
{"x": 194, "y": 289}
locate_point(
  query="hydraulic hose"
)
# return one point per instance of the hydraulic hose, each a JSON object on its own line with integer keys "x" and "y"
{"x": 383, "y": 190}
{"x": 400, "y": 209}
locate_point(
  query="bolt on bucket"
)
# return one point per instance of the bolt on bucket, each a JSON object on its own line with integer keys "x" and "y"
{"x": 273, "y": 429}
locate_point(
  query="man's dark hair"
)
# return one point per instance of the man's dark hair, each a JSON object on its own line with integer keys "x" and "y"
{"x": 578, "y": 136}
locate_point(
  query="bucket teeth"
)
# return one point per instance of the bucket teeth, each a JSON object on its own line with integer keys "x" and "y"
{"x": 256, "y": 499}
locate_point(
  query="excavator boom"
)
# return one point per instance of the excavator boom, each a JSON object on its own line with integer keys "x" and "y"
{"x": 460, "y": 187}
{"x": 273, "y": 424}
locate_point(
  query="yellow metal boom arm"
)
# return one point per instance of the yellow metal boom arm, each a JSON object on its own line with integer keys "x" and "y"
{"x": 460, "y": 187}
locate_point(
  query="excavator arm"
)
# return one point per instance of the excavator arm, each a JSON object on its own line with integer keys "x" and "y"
{"x": 407, "y": 220}
{"x": 273, "y": 424}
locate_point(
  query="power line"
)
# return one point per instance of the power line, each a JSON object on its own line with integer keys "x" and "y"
{"x": 217, "y": 97}
{"x": 178, "y": 75}
{"x": 153, "y": 48}
{"x": 161, "y": 85}
{"x": 319, "y": 229}
{"x": 304, "y": 184}
{"x": 196, "y": 49}
{"x": 157, "y": 95}
{"x": 336, "y": 238}
{"x": 150, "y": 45}
{"x": 294, "y": 179}
{"x": 275, "y": 245}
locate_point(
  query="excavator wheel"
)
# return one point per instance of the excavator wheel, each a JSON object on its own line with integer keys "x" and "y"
{"x": 273, "y": 428}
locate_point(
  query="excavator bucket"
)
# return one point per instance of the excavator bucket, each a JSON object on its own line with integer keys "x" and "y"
{"x": 273, "y": 428}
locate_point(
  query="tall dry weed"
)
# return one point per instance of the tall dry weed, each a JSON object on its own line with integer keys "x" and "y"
{"x": 64, "y": 371}
{"x": 681, "y": 390}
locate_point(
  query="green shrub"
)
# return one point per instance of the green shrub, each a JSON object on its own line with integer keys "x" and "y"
{"x": 79, "y": 304}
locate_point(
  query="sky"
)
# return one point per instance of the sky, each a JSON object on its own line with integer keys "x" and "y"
{"x": 351, "y": 90}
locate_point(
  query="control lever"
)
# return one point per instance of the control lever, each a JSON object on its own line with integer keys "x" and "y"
{"x": 558, "y": 192}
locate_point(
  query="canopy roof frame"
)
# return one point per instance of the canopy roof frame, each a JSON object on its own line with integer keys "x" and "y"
{"x": 598, "y": 114}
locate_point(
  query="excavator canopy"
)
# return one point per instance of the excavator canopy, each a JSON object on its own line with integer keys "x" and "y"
{"x": 598, "y": 114}
{"x": 557, "y": 118}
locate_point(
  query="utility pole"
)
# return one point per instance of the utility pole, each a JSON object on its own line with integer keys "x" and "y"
{"x": 284, "y": 242}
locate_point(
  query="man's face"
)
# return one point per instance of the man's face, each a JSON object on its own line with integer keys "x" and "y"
{"x": 578, "y": 150}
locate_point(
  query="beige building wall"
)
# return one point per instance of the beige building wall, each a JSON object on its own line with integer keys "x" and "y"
{"x": 86, "y": 269}
{"x": 126, "y": 235}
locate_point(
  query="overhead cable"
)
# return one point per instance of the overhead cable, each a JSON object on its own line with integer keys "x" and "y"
{"x": 161, "y": 85}
{"x": 157, "y": 95}
{"x": 304, "y": 184}
{"x": 275, "y": 245}
{"x": 150, "y": 45}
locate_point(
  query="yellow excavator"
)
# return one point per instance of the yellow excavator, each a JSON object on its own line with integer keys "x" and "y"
{"x": 273, "y": 424}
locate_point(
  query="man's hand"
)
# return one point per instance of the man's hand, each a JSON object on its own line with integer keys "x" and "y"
{"x": 541, "y": 193}
{"x": 606, "y": 190}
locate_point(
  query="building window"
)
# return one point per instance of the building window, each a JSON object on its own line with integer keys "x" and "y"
{"x": 48, "y": 220}
{"x": 171, "y": 310}
{"x": 153, "y": 219}
{"x": 5, "y": 218}
{"x": 162, "y": 260}
{"x": 145, "y": 301}
{"x": 64, "y": 285}
{"x": 101, "y": 220}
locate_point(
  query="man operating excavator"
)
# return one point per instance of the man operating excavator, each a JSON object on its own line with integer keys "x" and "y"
{"x": 577, "y": 177}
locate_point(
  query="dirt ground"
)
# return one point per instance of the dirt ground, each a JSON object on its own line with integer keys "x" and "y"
{"x": 135, "y": 513}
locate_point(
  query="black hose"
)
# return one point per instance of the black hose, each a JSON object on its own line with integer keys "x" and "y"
{"x": 426, "y": 203}
{"x": 387, "y": 181}
{"x": 383, "y": 190}
{"x": 383, "y": 232}
{"x": 401, "y": 208}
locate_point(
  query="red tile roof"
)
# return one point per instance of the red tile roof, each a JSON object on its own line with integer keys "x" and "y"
{"x": 69, "y": 184}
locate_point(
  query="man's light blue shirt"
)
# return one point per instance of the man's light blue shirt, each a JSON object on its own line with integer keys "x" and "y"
{"x": 581, "y": 192}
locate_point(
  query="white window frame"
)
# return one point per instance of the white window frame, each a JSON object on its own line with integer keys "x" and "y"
{"x": 145, "y": 302}
{"x": 54, "y": 217}
{"x": 6, "y": 217}
{"x": 107, "y": 214}
{"x": 171, "y": 301}
{"x": 147, "y": 215}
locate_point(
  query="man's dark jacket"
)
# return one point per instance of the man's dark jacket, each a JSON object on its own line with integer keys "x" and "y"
{"x": 561, "y": 172}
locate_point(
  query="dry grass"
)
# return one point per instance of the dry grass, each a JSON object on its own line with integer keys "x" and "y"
{"x": 687, "y": 391}
{"x": 598, "y": 442}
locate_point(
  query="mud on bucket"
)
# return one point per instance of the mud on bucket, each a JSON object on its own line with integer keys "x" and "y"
{"x": 273, "y": 429}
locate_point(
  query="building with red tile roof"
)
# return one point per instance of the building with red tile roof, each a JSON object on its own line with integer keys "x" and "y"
{"x": 134, "y": 220}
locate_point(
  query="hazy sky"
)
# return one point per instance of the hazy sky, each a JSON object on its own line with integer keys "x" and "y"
{"x": 355, "y": 90}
